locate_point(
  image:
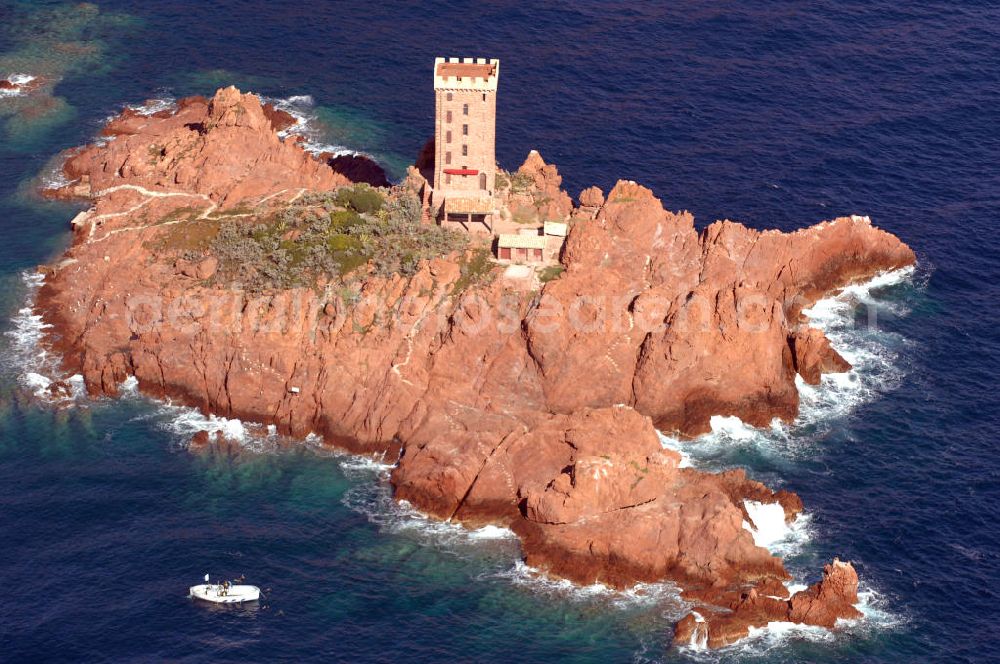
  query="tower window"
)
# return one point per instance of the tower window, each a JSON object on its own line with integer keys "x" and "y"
{"x": 450, "y": 96}
{"x": 465, "y": 109}
{"x": 447, "y": 157}
{"x": 465, "y": 150}
{"x": 447, "y": 116}
{"x": 447, "y": 178}
{"x": 447, "y": 136}
{"x": 465, "y": 130}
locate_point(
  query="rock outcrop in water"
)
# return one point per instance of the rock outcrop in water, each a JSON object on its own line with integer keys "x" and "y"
{"x": 822, "y": 604}
{"x": 18, "y": 84}
{"x": 535, "y": 412}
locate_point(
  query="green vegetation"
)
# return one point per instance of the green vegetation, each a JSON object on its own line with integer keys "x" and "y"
{"x": 550, "y": 273}
{"x": 642, "y": 470}
{"x": 361, "y": 198}
{"x": 476, "y": 269}
{"x": 155, "y": 152}
{"x": 521, "y": 182}
{"x": 184, "y": 233}
{"x": 502, "y": 181}
{"x": 331, "y": 234}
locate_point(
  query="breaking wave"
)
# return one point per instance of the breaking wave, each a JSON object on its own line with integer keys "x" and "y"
{"x": 872, "y": 352}
{"x": 39, "y": 371}
{"x": 778, "y": 636}
{"x": 372, "y": 497}
{"x": 303, "y": 109}
{"x": 18, "y": 80}
{"x": 164, "y": 102}
{"x": 770, "y": 530}
{"x": 643, "y": 595}
{"x": 184, "y": 422}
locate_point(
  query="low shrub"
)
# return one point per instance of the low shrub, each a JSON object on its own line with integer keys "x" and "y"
{"x": 330, "y": 234}
{"x": 476, "y": 269}
{"x": 550, "y": 273}
{"x": 361, "y": 198}
{"x": 521, "y": 182}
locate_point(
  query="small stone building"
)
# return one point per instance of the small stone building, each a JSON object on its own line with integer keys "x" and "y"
{"x": 517, "y": 248}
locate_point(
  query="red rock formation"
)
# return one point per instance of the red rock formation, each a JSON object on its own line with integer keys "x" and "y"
{"x": 552, "y": 201}
{"x": 592, "y": 197}
{"x": 225, "y": 150}
{"x": 500, "y": 408}
{"x": 7, "y": 85}
{"x": 822, "y": 604}
{"x": 280, "y": 120}
{"x": 815, "y": 356}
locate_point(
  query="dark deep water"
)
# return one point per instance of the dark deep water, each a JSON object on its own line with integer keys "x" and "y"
{"x": 768, "y": 113}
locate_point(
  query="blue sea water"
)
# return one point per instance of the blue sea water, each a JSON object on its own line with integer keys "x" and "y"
{"x": 778, "y": 114}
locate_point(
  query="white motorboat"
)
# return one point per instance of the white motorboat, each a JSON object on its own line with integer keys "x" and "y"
{"x": 225, "y": 592}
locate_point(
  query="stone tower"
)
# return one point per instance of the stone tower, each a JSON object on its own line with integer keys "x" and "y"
{"x": 465, "y": 165}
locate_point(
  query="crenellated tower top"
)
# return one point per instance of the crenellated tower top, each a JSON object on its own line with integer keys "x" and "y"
{"x": 477, "y": 74}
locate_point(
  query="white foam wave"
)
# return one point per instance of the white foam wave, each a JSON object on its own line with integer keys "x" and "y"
{"x": 492, "y": 533}
{"x": 54, "y": 177}
{"x": 19, "y": 81}
{"x": 731, "y": 426}
{"x": 154, "y": 105}
{"x": 39, "y": 371}
{"x": 374, "y": 500}
{"x": 873, "y": 354}
{"x": 303, "y": 109}
{"x": 35, "y": 382}
{"x": 768, "y": 522}
{"x": 778, "y": 632}
{"x": 641, "y": 595}
{"x": 699, "y": 637}
{"x": 186, "y": 422}
{"x": 779, "y": 635}
{"x": 129, "y": 387}
{"x": 522, "y": 574}
{"x": 875, "y": 612}
{"x": 770, "y": 530}
{"x": 676, "y": 446}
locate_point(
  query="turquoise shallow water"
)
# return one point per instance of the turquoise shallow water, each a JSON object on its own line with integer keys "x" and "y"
{"x": 777, "y": 115}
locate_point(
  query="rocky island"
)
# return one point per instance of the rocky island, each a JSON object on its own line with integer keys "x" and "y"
{"x": 225, "y": 267}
